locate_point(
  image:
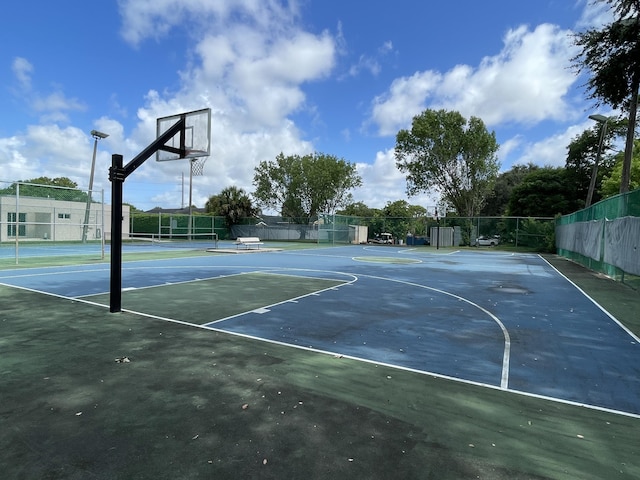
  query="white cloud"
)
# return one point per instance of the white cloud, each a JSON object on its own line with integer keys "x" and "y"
{"x": 15, "y": 165}
{"x": 22, "y": 70}
{"x": 551, "y": 151}
{"x": 52, "y": 107}
{"x": 404, "y": 100}
{"x": 56, "y": 102}
{"x": 528, "y": 81}
{"x": 144, "y": 19}
{"x": 386, "y": 47}
{"x": 268, "y": 84}
{"x": 365, "y": 63}
{"x": 51, "y": 151}
{"x": 507, "y": 147}
{"x": 382, "y": 181}
{"x": 594, "y": 15}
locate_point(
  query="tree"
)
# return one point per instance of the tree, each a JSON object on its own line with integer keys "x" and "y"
{"x": 612, "y": 55}
{"x": 232, "y": 203}
{"x": 132, "y": 208}
{"x": 304, "y": 186}
{"x": 56, "y": 182}
{"x": 402, "y": 218}
{"x": 582, "y": 155}
{"x": 444, "y": 153}
{"x": 542, "y": 193}
{"x": 59, "y": 188}
{"x": 611, "y": 182}
{"x": 358, "y": 209}
{"x": 498, "y": 200}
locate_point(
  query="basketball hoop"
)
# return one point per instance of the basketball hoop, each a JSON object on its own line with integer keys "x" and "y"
{"x": 197, "y": 166}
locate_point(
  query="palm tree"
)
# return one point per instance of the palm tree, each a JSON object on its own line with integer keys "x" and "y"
{"x": 232, "y": 203}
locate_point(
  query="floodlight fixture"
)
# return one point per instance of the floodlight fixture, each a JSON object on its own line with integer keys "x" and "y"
{"x": 96, "y": 134}
{"x": 599, "y": 118}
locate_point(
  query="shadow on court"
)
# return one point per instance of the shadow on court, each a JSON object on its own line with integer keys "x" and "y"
{"x": 195, "y": 403}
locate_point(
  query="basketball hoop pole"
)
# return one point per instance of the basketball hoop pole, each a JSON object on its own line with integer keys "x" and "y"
{"x": 115, "y": 299}
{"x": 117, "y": 176}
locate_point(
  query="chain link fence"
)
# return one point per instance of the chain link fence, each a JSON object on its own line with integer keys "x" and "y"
{"x": 605, "y": 237}
{"x": 536, "y": 234}
{"x": 168, "y": 225}
{"x": 35, "y": 215}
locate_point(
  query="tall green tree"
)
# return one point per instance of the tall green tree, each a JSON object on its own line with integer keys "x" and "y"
{"x": 582, "y": 156}
{"x": 542, "y": 193}
{"x": 445, "y": 153}
{"x": 612, "y": 56}
{"x": 498, "y": 200}
{"x": 233, "y": 204}
{"x": 304, "y": 186}
{"x": 611, "y": 181}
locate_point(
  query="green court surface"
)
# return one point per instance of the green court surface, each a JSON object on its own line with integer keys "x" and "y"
{"x": 195, "y": 403}
{"x": 209, "y": 300}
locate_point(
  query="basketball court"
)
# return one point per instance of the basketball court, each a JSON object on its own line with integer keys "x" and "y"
{"x": 395, "y": 336}
{"x": 502, "y": 320}
{"x": 302, "y": 361}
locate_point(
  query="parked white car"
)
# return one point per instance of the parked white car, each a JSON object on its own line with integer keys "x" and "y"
{"x": 382, "y": 238}
{"x": 487, "y": 241}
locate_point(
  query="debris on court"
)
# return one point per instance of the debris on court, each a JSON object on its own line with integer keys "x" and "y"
{"x": 123, "y": 360}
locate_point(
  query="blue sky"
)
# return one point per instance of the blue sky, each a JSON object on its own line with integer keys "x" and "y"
{"x": 337, "y": 77}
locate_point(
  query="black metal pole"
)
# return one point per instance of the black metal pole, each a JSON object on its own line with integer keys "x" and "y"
{"x": 115, "y": 303}
{"x": 117, "y": 175}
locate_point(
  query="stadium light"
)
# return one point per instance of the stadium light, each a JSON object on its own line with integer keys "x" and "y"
{"x": 601, "y": 119}
{"x": 97, "y": 136}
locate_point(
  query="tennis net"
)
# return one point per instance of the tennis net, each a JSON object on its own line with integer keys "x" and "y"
{"x": 175, "y": 240}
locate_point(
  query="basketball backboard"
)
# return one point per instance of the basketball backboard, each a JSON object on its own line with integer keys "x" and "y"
{"x": 191, "y": 142}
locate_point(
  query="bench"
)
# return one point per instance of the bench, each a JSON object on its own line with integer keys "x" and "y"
{"x": 248, "y": 242}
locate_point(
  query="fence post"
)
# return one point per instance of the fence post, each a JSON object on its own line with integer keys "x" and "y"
{"x": 17, "y": 222}
{"x": 102, "y": 232}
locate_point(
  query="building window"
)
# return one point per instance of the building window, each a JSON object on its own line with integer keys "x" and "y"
{"x": 22, "y": 228}
{"x": 64, "y": 215}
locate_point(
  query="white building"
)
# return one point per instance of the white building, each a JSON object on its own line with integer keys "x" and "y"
{"x": 40, "y": 218}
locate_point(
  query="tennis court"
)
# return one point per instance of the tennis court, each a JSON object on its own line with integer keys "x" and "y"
{"x": 485, "y": 323}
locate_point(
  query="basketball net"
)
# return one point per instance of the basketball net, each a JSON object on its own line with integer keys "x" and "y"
{"x": 197, "y": 166}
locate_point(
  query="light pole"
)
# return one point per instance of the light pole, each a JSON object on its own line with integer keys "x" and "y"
{"x": 97, "y": 136}
{"x": 603, "y": 132}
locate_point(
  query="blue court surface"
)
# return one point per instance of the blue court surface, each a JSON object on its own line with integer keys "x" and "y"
{"x": 507, "y": 321}
{"x": 26, "y": 249}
